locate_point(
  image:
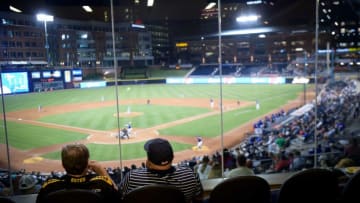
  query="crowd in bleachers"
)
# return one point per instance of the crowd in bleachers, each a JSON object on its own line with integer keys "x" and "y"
{"x": 284, "y": 141}
{"x": 280, "y": 142}
{"x": 236, "y": 70}
{"x": 298, "y": 67}
{"x": 254, "y": 69}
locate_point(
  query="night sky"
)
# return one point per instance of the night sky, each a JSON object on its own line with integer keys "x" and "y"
{"x": 181, "y": 14}
{"x": 173, "y": 10}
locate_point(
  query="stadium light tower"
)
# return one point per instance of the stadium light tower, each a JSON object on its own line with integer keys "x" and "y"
{"x": 247, "y": 18}
{"x": 150, "y": 3}
{"x": 45, "y": 18}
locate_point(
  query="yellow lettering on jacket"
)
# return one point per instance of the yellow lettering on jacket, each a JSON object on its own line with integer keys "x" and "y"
{"x": 78, "y": 180}
{"x": 103, "y": 178}
{"x": 50, "y": 181}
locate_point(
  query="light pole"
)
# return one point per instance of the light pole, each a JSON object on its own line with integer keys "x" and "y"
{"x": 45, "y": 18}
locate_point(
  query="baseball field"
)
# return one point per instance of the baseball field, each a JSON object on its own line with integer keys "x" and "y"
{"x": 39, "y": 124}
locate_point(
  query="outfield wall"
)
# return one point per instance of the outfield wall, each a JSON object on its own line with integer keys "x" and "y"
{"x": 23, "y": 81}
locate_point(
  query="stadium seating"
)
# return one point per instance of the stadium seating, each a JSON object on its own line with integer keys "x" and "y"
{"x": 6, "y": 200}
{"x": 73, "y": 196}
{"x": 241, "y": 189}
{"x": 310, "y": 185}
{"x": 155, "y": 194}
{"x": 351, "y": 189}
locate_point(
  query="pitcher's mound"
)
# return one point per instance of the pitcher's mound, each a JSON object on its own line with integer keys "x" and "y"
{"x": 33, "y": 160}
{"x": 203, "y": 148}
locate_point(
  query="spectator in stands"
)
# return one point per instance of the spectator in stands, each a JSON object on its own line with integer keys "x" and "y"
{"x": 159, "y": 170}
{"x": 282, "y": 163}
{"x": 281, "y": 141}
{"x": 81, "y": 173}
{"x": 192, "y": 162}
{"x": 237, "y": 152}
{"x": 297, "y": 162}
{"x": 216, "y": 170}
{"x": 242, "y": 169}
{"x": 203, "y": 168}
{"x": 229, "y": 159}
{"x": 4, "y": 190}
{"x": 28, "y": 184}
{"x": 352, "y": 150}
{"x": 344, "y": 162}
{"x": 249, "y": 163}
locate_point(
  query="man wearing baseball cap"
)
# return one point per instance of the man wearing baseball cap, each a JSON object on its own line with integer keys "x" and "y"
{"x": 159, "y": 170}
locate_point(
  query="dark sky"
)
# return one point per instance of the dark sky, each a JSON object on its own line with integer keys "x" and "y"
{"x": 283, "y": 12}
{"x": 174, "y": 9}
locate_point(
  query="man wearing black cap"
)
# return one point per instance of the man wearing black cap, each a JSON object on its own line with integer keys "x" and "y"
{"x": 159, "y": 170}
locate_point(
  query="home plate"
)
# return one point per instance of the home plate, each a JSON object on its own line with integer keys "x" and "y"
{"x": 33, "y": 160}
{"x": 19, "y": 119}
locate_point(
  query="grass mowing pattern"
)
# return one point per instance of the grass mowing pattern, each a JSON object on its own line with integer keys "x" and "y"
{"x": 210, "y": 126}
{"x": 25, "y": 137}
{"x": 104, "y": 119}
{"x": 247, "y": 92}
{"x": 101, "y": 152}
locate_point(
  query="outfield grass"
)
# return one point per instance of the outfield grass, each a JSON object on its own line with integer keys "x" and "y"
{"x": 27, "y": 137}
{"x": 160, "y": 73}
{"x": 101, "y": 152}
{"x": 105, "y": 119}
{"x": 247, "y": 92}
{"x": 210, "y": 126}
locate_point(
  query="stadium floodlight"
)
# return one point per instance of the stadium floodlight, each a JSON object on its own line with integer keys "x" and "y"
{"x": 87, "y": 8}
{"x": 45, "y": 18}
{"x": 247, "y": 18}
{"x": 260, "y": 30}
{"x": 16, "y": 10}
{"x": 210, "y": 5}
{"x": 150, "y": 3}
{"x": 254, "y": 2}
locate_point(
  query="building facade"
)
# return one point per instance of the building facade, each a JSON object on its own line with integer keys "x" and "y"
{"x": 338, "y": 33}
{"x": 72, "y": 43}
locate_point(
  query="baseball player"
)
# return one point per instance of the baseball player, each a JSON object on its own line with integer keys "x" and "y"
{"x": 211, "y": 103}
{"x": 199, "y": 142}
{"x": 129, "y": 128}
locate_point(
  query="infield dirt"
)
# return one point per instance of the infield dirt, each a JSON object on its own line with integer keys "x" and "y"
{"x": 31, "y": 160}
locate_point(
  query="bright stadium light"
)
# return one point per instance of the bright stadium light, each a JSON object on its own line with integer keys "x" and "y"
{"x": 150, "y": 3}
{"x": 254, "y": 2}
{"x": 210, "y": 5}
{"x": 45, "y": 18}
{"x": 248, "y": 18}
{"x": 87, "y": 8}
{"x": 248, "y": 31}
{"x": 16, "y": 10}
